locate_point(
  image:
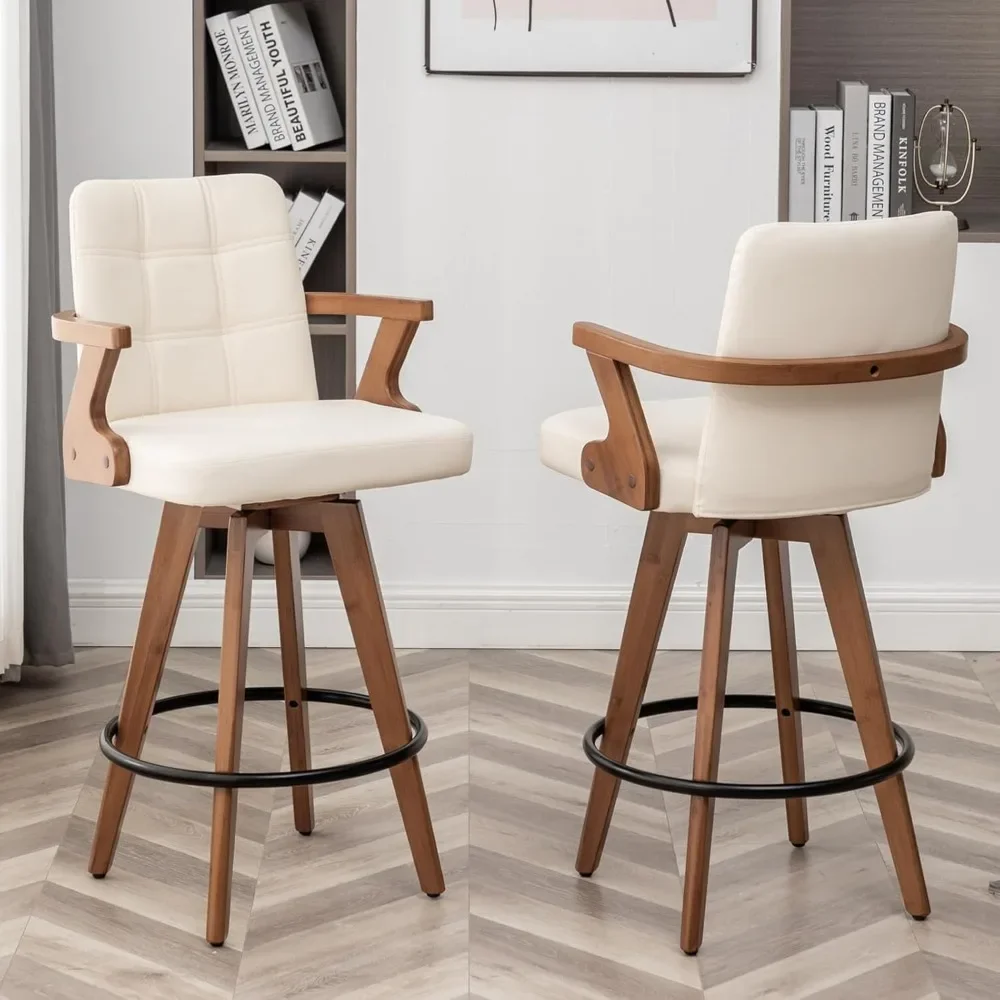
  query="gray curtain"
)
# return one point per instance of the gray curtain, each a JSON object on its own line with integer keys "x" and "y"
{"x": 47, "y": 638}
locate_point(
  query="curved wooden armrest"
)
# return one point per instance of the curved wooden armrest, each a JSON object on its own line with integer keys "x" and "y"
{"x": 92, "y": 451}
{"x": 349, "y": 304}
{"x": 71, "y": 329}
{"x": 607, "y": 343}
{"x": 379, "y": 381}
{"x": 625, "y": 466}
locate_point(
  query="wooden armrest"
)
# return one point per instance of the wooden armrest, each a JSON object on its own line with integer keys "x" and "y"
{"x": 71, "y": 329}
{"x": 92, "y": 451}
{"x": 625, "y": 466}
{"x": 348, "y": 304}
{"x": 379, "y": 381}
{"x": 606, "y": 343}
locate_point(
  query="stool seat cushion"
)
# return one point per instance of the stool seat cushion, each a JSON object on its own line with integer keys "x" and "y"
{"x": 230, "y": 456}
{"x": 676, "y": 427}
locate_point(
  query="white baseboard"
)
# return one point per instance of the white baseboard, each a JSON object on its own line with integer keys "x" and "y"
{"x": 105, "y": 612}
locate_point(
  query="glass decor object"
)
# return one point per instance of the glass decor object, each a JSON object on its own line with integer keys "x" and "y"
{"x": 946, "y": 157}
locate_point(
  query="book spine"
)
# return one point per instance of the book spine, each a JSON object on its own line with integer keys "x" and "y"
{"x": 901, "y": 188}
{"x": 302, "y": 210}
{"x": 224, "y": 42}
{"x": 282, "y": 80}
{"x": 853, "y": 98}
{"x": 320, "y": 226}
{"x": 879, "y": 138}
{"x": 802, "y": 168}
{"x": 829, "y": 164}
{"x": 260, "y": 81}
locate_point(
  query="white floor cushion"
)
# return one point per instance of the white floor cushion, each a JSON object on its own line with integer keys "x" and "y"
{"x": 675, "y": 425}
{"x": 233, "y": 455}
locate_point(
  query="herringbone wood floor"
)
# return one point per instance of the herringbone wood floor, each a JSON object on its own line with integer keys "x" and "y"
{"x": 339, "y": 915}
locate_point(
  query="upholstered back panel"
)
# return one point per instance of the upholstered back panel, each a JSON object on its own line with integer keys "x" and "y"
{"x": 203, "y": 269}
{"x": 802, "y": 290}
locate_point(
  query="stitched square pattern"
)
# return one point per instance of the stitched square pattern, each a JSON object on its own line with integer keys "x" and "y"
{"x": 204, "y": 273}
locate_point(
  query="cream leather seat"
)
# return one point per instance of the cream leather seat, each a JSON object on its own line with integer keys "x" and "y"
{"x": 235, "y": 455}
{"x": 824, "y": 398}
{"x": 197, "y": 386}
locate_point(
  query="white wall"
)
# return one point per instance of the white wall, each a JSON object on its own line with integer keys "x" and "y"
{"x": 521, "y": 205}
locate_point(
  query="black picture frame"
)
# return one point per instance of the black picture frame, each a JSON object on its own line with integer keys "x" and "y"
{"x": 561, "y": 74}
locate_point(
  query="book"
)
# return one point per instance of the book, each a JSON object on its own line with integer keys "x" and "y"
{"x": 316, "y": 232}
{"x": 235, "y": 74}
{"x": 301, "y": 212}
{"x": 802, "y": 168}
{"x": 829, "y": 163}
{"x": 245, "y": 36}
{"x": 853, "y": 98}
{"x": 297, "y": 74}
{"x": 904, "y": 107}
{"x": 879, "y": 160}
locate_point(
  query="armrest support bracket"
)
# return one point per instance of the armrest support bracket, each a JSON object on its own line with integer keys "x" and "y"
{"x": 401, "y": 318}
{"x": 92, "y": 451}
{"x": 624, "y": 465}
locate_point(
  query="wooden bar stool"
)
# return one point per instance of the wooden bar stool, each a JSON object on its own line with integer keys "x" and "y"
{"x": 197, "y": 386}
{"x": 825, "y": 398}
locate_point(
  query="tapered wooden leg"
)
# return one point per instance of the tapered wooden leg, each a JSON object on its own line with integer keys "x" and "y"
{"x": 654, "y": 581}
{"x": 232, "y": 687}
{"x": 164, "y": 590}
{"x": 837, "y": 566}
{"x": 347, "y": 539}
{"x": 708, "y": 730}
{"x": 288, "y": 582}
{"x": 784, "y": 660}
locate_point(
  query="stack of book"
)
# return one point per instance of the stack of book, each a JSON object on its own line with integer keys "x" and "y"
{"x": 275, "y": 76}
{"x": 312, "y": 216}
{"x": 853, "y": 160}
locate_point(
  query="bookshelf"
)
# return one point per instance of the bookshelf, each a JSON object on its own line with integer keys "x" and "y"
{"x": 938, "y": 48}
{"x": 219, "y": 148}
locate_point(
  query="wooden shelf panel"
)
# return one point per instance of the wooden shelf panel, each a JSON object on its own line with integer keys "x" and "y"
{"x": 235, "y": 152}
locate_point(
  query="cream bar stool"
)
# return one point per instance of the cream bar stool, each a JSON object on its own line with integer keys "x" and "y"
{"x": 196, "y": 386}
{"x": 825, "y": 398}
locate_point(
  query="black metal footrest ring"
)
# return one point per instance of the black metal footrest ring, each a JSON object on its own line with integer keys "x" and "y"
{"x": 734, "y": 790}
{"x": 263, "y": 779}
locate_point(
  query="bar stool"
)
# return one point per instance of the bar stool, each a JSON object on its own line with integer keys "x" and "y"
{"x": 825, "y": 398}
{"x": 196, "y": 386}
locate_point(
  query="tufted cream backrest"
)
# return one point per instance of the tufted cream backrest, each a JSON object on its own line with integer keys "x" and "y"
{"x": 204, "y": 271}
{"x": 809, "y": 291}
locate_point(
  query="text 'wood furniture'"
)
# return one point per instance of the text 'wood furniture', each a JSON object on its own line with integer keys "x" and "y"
{"x": 196, "y": 386}
{"x": 825, "y": 399}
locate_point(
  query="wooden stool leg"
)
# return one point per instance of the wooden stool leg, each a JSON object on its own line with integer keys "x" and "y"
{"x": 232, "y": 687}
{"x": 347, "y": 539}
{"x": 164, "y": 590}
{"x": 708, "y": 730}
{"x": 837, "y": 566}
{"x": 784, "y": 661}
{"x": 654, "y": 581}
{"x": 288, "y": 582}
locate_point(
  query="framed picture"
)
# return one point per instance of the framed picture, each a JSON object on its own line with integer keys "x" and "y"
{"x": 591, "y": 37}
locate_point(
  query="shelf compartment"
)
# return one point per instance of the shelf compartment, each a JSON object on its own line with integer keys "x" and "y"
{"x": 938, "y": 50}
{"x": 316, "y": 563}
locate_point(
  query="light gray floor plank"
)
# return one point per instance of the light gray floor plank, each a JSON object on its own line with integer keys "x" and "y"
{"x": 339, "y": 915}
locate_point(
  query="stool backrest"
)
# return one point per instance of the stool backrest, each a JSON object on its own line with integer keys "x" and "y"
{"x": 828, "y": 290}
{"x": 204, "y": 271}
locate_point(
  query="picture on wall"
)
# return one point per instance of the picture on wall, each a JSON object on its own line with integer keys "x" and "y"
{"x": 591, "y": 37}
